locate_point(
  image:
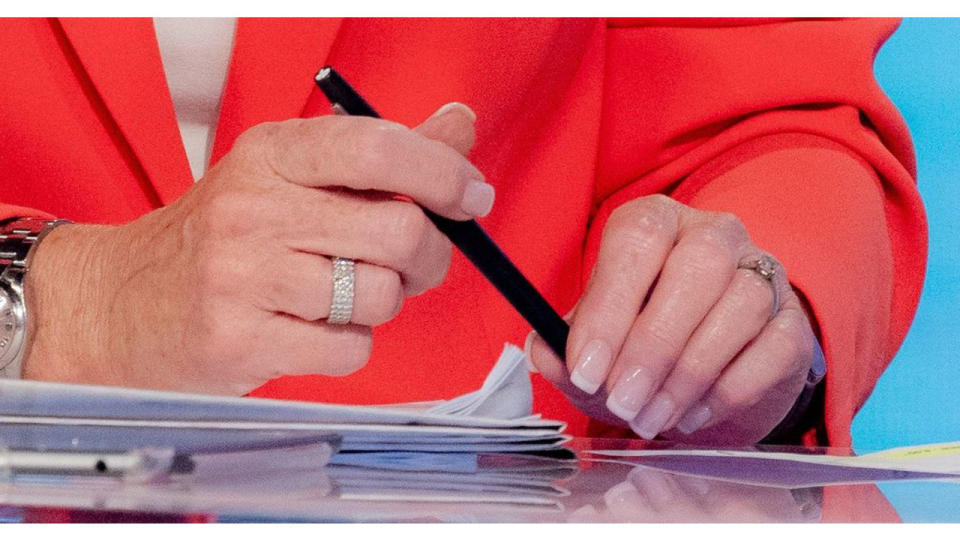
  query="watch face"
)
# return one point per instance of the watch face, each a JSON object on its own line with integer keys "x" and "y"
{"x": 11, "y": 326}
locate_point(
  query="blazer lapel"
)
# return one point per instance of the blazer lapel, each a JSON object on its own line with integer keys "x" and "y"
{"x": 122, "y": 59}
{"x": 271, "y": 73}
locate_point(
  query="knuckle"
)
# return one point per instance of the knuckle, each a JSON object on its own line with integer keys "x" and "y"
{"x": 659, "y": 199}
{"x": 729, "y": 225}
{"x": 254, "y": 146}
{"x": 256, "y": 135}
{"x": 648, "y": 215}
{"x": 639, "y": 229}
{"x": 658, "y": 202}
{"x": 642, "y": 236}
{"x": 709, "y": 237}
{"x": 408, "y": 228}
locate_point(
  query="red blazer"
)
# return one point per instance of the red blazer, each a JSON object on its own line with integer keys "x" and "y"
{"x": 575, "y": 117}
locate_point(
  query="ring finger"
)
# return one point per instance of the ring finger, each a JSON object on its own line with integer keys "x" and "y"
{"x": 739, "y": 315}
{"x": 385, "y": 232}
{"x": 302, "y": 285}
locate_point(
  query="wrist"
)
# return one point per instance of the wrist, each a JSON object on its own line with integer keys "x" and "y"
{"x": 63, "y": 290}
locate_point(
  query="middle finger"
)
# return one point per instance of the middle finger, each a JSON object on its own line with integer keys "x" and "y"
{"x": 694, "y": 277}
{"x": 732, "y": 322}
{"x": 385, "y": 232}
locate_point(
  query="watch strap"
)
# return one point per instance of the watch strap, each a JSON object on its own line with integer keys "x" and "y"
{"x": 18, "y": 238}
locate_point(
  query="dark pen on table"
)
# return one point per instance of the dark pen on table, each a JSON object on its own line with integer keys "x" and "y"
{"x": 468, "y": 236}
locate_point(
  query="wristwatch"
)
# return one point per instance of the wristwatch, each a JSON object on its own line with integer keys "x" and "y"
{"x": 18, "y": 237}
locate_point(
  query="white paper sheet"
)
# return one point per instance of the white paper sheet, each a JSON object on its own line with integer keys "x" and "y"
{"x": 942, "y": 458}
{"x": 497, "y": 417}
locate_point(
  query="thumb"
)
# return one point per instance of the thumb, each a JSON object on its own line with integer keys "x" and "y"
{"x": 542, "y": 359}
{"x": 452, "y": 125}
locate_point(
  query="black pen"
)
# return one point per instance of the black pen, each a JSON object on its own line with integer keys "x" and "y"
{"x": 468, "y": 236}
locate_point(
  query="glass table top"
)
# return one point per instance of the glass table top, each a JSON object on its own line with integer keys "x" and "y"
{"x": 500, "y": 489}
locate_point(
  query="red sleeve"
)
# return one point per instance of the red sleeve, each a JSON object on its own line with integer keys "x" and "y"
{"x": 783, "y": 124}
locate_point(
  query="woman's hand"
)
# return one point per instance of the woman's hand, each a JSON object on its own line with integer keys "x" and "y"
{"x": 673, "y": 336}
{"x": 229, "y": 287}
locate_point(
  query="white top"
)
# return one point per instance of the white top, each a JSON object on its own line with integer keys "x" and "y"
{"x": 196, "y": 55}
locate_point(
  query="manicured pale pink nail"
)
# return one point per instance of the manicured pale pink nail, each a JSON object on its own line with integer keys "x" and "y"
{"x": 695, "y": 418}
{"x": 477, "y": 198}
{"x": 455, "y": 105}
{"x": 630, "y": 394}
{"x": 591, "y": 370}
{"x": 653, "y": 417}
{"x": 527, "y": 348}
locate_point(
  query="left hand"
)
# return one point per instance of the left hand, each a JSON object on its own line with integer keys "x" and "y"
{"x": 672, "y": 337}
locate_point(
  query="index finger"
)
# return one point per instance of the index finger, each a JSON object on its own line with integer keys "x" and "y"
{"x": 371, "y": 154}
{"x": 636, "y": 241}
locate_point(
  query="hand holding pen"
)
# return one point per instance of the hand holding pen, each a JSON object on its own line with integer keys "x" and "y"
{"x": 238, "y": 272}
{"x": 482, "y": 251}
{"x": 722, "y": 345}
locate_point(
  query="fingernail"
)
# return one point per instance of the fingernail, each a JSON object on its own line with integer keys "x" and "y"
{"x": 630, "y": 394}
{"x": 591, "y": 370}
{"x": 455, "y": 105}
{"x": 527, "y": 347}
{"x": 695, "y": 418}
{"x": 654, "y": 417}
{"x": 477, "y": 198}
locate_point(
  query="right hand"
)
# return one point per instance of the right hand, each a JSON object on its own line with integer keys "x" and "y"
{"x": 229, "y": 286}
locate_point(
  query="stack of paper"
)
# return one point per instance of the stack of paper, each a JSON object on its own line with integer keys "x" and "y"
{"x": 496, "y": 418}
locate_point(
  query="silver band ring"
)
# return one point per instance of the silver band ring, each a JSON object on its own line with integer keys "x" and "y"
{"x": 766, "y": 267}
{"x": 341, "y": 306}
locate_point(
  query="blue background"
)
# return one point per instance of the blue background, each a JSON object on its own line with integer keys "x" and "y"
{"x": 918, "y": 399}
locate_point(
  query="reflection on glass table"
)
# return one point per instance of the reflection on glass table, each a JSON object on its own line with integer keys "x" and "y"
{"x": 290, "y": 485}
